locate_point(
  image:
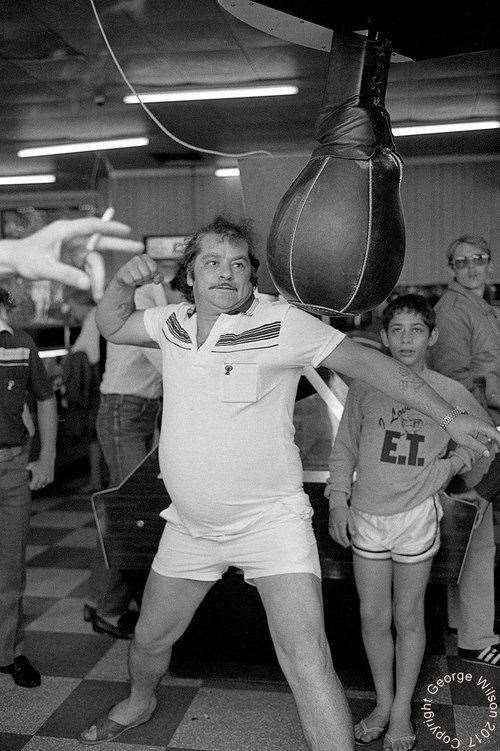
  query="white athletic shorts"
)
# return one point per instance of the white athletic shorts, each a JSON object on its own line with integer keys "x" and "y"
{"x": 408, "y": 537}
{"x": 283, "y": 548}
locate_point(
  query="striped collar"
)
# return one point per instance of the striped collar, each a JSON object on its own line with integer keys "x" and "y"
{"x": 4, "y": 326}
{"x": 247, "y": 307}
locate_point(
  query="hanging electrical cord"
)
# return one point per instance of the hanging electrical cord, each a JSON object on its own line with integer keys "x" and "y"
{"x": 150, "y": 114}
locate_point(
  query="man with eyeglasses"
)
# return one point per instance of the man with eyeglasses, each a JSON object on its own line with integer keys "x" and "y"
{"x": 468, "y": 350}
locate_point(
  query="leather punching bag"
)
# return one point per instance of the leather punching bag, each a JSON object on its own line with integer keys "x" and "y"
{"x": 336, "y": 243}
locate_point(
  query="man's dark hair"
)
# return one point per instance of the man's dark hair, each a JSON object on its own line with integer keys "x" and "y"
{"x": 6, "y": 300}
{"x": 226, "y": 230}
{"x": 410, "y": 304}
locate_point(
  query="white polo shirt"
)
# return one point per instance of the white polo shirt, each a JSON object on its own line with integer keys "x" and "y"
{"x": 227, "y": 454}
{"x": 131, "y": 370}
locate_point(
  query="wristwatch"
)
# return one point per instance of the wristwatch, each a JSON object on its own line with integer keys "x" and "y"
{"x": 451, "y": 416}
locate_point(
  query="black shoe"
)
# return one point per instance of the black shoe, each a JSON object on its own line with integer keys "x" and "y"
{"x": 23, "y": 672}
{"x": 487, "y": 656}
{"x": 102, "y": 626}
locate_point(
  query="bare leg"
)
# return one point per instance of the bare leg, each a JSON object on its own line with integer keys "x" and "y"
{"x": 410, "y": 582}
{"x": 167, "y": 608}
{"x": 374, "y": 584}
{"x": 294, "y": 611}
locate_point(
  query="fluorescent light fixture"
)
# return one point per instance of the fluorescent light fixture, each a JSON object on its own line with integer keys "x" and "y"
{"x": 74, "y": 148}
{"x": 420, "y": 130}
{"x": 26, "y": 179}
{"x": 52, "y": 353}
{"x": 194, "y": 95}
{"x": 227, "y": 172}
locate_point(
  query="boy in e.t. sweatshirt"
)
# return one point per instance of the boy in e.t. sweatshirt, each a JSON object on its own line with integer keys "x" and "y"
{"x": 401, "y": 459}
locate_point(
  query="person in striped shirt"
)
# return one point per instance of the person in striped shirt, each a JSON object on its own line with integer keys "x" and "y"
{"x": 21, "y": 373}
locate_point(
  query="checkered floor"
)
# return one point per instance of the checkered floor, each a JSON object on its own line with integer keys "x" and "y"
{"x": 203, "y": 706}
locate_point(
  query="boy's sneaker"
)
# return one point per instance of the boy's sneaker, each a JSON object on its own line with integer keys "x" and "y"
{"x": 487, "y": 656}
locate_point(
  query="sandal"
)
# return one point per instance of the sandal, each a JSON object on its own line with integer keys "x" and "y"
{"x": 369, "y": 729}
{"x": 106, "y": 729}
{"x": 412, "y": 738}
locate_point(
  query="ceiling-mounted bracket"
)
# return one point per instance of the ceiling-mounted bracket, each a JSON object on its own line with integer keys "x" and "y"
{"x": 290, "y": 28}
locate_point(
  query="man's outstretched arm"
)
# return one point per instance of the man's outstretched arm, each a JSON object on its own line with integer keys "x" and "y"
{"x": 116, "y": 316}
{"x": 400, "y": 383}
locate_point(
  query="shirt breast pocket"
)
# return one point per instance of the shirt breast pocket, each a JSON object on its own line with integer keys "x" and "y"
{"x": 239, "y": 382}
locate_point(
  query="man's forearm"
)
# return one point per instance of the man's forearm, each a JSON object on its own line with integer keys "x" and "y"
{"x": 116, "y": 307}
{"x": 409, "y": 388}
{"x": 389, "y": 376}
{"x": 47, "y": 426}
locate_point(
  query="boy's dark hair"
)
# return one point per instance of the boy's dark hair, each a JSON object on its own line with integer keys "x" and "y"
{"x": 225, "y": 229}
{"x": 412, "y": 304}
{"x": 6, "y": 300}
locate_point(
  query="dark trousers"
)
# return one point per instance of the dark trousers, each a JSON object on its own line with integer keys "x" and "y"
{"x": 15, "y": 502}
{"x": 125, "y": 429}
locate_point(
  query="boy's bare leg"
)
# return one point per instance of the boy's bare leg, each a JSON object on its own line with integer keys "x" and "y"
{"x": 168, "y": 606}
{"x": 294, "y": 609}
{"x": 374, "y": 584}
{"x": 410, "y": 582}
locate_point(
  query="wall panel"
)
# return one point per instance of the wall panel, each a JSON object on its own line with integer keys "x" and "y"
{"x": 172, "y": 202}
{"x": 443, "y": 200}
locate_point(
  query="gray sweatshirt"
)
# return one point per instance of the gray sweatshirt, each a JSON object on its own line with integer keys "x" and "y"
{"x": 400, "y": 456}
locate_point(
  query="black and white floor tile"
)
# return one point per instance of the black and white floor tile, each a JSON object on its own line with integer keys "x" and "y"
{"x": 214, "y": 699}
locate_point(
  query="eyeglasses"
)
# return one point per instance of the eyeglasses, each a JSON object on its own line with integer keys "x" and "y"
{"x": 481, "y": 259}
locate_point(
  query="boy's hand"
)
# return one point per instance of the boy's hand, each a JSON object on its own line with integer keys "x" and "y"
{"x": 337, "y": 525}
{"x": 138, "y": 271}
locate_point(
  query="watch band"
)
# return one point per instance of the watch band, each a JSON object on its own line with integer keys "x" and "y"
{"x": 451, "y": 416}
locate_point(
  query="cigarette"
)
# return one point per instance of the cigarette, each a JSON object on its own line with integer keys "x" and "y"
{"x": 94, "y": 239}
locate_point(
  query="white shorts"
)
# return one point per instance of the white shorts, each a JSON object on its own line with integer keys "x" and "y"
{"x": 408, "y": 537}
{"x": 288, "y": 547}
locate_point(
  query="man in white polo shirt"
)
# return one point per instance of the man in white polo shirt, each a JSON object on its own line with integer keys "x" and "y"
{"x": 231, "y": 365}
